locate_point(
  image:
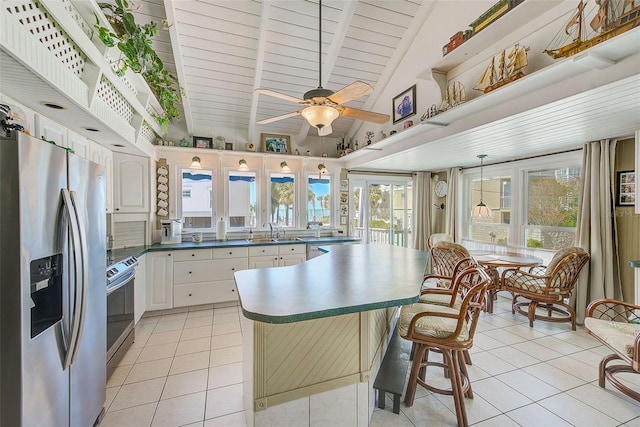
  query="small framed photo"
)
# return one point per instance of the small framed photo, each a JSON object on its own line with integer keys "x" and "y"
{"x": 202, "y": 142}
{"x": 404, "y": 105}
{"x": 344, "y": 197}
{"x": 344, "y": 210}
{"x": 344, "y": 185}
{"x": 626, "y": 188}
{"x": 343, "y": 220}
{"x": 228, "y": 146}
{"x": 273, "y": 143}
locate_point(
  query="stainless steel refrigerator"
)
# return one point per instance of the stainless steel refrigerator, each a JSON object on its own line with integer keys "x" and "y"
{"x": 52, "y": 285}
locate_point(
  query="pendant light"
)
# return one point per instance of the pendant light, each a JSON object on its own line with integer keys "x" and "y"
{"x": 481, "y": 211}
{"x": 320, "y": 116}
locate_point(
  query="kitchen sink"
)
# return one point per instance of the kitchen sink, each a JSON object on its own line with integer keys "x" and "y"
{"x": 274, "y": 240}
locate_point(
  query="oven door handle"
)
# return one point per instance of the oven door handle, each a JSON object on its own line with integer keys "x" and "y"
{"x": 121, "y": 281}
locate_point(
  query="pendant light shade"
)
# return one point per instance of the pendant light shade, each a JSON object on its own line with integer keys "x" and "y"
{"x": 481, "y": 210}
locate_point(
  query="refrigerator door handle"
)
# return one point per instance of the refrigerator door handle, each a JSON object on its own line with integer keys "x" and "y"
{"x": 70, "y": 209}
{"x": 84, "y": 283}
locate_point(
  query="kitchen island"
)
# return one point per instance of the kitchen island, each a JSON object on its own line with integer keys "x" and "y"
{"x": 314, "y": 333}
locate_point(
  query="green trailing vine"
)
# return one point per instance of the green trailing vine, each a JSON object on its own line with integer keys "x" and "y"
{"x": 134, "y": 42}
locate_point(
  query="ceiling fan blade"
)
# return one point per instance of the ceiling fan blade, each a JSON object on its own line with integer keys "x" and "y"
{"x": 352, "y": 91}
{"x": 279, "y": 95}
{"x": 326, "y": 130}
{"x": 276, "y": 118}
{"x": 367, "y": 116}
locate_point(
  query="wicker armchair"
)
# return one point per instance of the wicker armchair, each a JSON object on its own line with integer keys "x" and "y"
{"x": 546, "y": 287}
{"x": 437, "y": 237}
{"x": 449, "y": 331}
{"x": 445, "y": 257}
{"x": 616, "y": 324}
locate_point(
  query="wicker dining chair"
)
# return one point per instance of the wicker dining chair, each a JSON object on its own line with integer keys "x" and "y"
{"x": 546, "y": 288}
{"x": 438, "y": 237}
{"x": 448, "y": 330}
{"x": 616, "y": 324}
{"x": 445, "y": 257}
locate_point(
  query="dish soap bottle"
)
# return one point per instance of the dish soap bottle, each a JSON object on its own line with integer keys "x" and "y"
{"x": 221, "y": 230}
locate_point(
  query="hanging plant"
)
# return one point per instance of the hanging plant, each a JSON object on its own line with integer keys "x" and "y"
{"x": 134, "y": 42}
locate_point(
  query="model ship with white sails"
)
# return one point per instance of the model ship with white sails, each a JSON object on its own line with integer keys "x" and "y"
{"x": 612, "y": 18}
{"x": 504, "y": 68}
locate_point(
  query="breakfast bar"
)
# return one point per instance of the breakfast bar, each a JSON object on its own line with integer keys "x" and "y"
{"x": 314, "y": 333}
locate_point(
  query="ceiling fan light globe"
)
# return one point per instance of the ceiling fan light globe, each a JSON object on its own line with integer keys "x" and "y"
{"x": 320, "y": 116}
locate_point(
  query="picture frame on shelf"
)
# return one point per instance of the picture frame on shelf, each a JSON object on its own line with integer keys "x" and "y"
{"x": 626, "y": 185}
{"x": 202, "y": 142}
{"x": 404, "y": 104}
{"x": 228, "y": 146}
{"x": 274, "y": 143}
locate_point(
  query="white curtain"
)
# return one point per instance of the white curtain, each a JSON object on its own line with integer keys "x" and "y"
{"x": 596, "y": 227}
{"x": 454, "y": 178}
{"x": 421, "y": 209}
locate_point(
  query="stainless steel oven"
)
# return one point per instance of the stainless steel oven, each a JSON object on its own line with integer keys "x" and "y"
{"x": 120, "y": 305}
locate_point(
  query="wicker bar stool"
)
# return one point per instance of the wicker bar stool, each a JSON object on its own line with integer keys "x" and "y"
{"x": 450, "y": 331}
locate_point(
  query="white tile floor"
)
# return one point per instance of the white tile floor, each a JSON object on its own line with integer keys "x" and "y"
{"x": 185, "y": 370}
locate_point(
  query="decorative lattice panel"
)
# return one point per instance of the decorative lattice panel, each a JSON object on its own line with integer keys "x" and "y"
{"x": 147, "y": 133}
{"x": 31, "y": 15}
{"x": 115, "y": 66}
{"x": 84, "y": 25}
{"x": 116, "y": 102}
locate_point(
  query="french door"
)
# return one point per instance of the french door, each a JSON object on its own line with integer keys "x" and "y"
{"x": 381, "y": 209}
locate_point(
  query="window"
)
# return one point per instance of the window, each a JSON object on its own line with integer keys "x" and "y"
{"x": 552, "y": 207}
{"x": 283, "y": 199}
{"x": 242, "y": 199}
{"x": 197, "y": 200}
{"x": 319, "y": 199}
{"x": 534, "y": 203}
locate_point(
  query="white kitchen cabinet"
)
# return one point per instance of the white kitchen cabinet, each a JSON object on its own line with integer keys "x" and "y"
{"x": 205, "y": 276}
{"x": 291, "y": 255}
{"x": 140, "y": 289}
{"x": 80, "y": 145}
{"x": 51, "y": 131}
{"x": 159, "y": 280}
{"x": 131, "y": 183}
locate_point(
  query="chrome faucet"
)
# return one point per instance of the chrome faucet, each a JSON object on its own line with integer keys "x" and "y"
{"x": 270, "y": 228}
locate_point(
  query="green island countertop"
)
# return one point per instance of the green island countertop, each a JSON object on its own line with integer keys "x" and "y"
{"x": 346, "y": 279}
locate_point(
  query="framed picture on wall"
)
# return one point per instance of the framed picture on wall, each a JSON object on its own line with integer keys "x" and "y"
{"x": 202, "y": 142}
{"x": 404, "y": 104}
{"x": 272, "y": 143}
{"x": 626, "y": 185}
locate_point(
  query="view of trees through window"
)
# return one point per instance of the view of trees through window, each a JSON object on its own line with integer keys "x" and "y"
{"x": 552, "y": 207}
{"x": 282, "y": 187}
{"x": 319, "y": 199}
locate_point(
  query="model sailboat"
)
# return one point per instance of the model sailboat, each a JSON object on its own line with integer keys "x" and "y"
{"x": 509, "y": 67}
{"x": 613, "y": 17}
{"x": 454, "y": 95}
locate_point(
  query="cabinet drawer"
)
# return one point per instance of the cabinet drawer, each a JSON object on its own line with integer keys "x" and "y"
{"x": 293, "y": 249}
{"x": 223, "y": 269}
{"x": 222, "y": 253}
{"x": 204, "y": 293}
{"x": 193, "y": 271}
{"x": 192, "y": 255}
{"x": 263, "y": 250}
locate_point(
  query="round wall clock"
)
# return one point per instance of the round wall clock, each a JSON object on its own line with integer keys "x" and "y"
{"x": 441, "y": 188}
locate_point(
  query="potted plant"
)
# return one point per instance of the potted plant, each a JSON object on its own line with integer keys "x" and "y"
{"x": 134, "y": 42}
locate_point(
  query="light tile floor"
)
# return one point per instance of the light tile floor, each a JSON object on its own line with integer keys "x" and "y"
{"x": 185, "y": 370}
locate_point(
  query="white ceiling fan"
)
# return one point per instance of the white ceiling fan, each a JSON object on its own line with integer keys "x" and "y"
{"x": 323, "y": 106}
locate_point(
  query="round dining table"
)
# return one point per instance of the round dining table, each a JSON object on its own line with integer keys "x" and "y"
{"x": 492, "y": 261}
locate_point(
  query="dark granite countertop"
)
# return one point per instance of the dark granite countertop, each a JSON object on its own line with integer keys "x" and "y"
{"x": 346, "y": 279}
{"x": 116, "y": 255}
{"x": 635, "y": 264}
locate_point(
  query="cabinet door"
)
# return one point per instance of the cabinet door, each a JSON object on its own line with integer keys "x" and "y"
{"x": 80, "y": 145}
{"x": 159, "y": 280}
{"x": 140, "y": 294}
{"x": 263, "y": 261}
{"x": 51, "y": 131}
{"x": 285, "y": 260}
{"x": 131, "y": 183}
